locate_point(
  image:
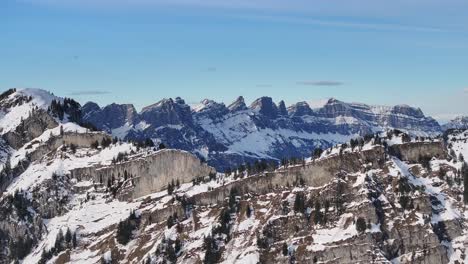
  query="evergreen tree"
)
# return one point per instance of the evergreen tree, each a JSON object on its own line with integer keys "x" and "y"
{"x": 361, "y": 225}
{"x": 74, "y": 241}
{"x": 464, "y": 172}
{"x": 171, "y": 254}
{"x": 126, "y": 227}
{"x": 212, "y": 254}
{"x": 177, "y": 245}
{"x": 285, "y": 249}
{"x": 149, "y": 142}
{"x": 170, "y": 221}
{"x": 68, "y": 237}
{"x": 249, "y": 211}
{"x": 317, "y": 213}
{"x": 299, "y": 203}
{"x": 59, "y": 242}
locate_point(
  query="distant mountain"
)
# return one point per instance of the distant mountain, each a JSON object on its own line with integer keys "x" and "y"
{"x": 460, "y": 122}
{"x": 230, "y": 135}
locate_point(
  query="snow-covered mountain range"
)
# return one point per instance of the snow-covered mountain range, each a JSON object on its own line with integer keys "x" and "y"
{"x": 230, "y": 135}
{"x": 70, "y": 194}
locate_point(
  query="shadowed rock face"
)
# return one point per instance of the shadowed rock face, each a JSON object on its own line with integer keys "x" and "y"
{"x": 224, "y": 135}
{"x": 265, "y": 106}
{"x": 111, "y": 116}
{"x": 300, "y": 109}
{"x": 238, "y": 105}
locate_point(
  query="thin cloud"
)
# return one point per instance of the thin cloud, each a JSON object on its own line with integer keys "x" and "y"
{"x": 263, "y": 85}
{"x": 320, "y": 83}
{"x": 465, "y": 90}
{"x": 210, "y": 69}
{"x": 90, "y": 92}
{"x": 366, "y": 9}
{"x": 344, "y": 23}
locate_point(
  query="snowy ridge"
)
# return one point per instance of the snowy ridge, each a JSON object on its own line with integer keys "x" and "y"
{"x": 11, "y": 115}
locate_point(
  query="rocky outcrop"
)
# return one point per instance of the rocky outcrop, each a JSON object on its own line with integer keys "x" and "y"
{"x": 238, "y": 105}
{"x": 415, "y": 152}
{"x": 81, "y": 140}
{"x": 30, "y": 128}
{"x": 111, "y": 116}
{"x": 265, "y": 106}
{"x": 151, "y": 173}
{"x": 300, "y": 109}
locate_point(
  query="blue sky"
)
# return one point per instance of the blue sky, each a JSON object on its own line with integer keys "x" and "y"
{"x": 376, "y": 52}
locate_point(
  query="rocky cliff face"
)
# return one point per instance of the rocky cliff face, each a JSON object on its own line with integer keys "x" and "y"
{"x": 149, "y": 173}
{"x": 225, "y": 136}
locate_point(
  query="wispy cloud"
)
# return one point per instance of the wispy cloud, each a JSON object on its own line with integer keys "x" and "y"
{"x": 362, "y": 10}
{"x": 320, "y": 83}
{"x": 89, "y": 92}
{"x": 263, "y": 85}
{"x": 210, "y": 69}
{"x": 344, "y": 23}
{"x": 465, "y": 90}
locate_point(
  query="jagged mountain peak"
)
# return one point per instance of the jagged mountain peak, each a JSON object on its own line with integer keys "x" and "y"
{"x": 238, "y": 105}
{"x": 159, "y": 104}
{"x": 300, "y": 109}
{"x": 333, "y": 100}
{"x": 265, "y": 106}
{"x": 211, "y": 109}
{"x": 408, "y": 110}
{"x": 282, "y": 108}
{"x": 167, "y": 112}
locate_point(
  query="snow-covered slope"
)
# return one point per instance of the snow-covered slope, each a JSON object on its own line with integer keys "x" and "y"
{"x": 368, "y": 208}
{"x": 19, "y": 105}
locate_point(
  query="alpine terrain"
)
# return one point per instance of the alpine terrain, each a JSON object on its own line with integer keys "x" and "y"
{"x": 264, "y": 183}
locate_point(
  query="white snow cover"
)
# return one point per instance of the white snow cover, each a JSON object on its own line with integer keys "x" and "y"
{"x": 38, "y": 172}
{"x": 20, "y": 154}
{"x": 85, "y": 219}
{"x": 11, "y": 119}
{"x": 241, "y": 135}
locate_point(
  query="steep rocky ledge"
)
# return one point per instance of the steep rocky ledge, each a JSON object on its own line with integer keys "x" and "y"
{"x": 80, "y": 140}
{"x": 414, "y": 152}
{"x": 150, "y": 173}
